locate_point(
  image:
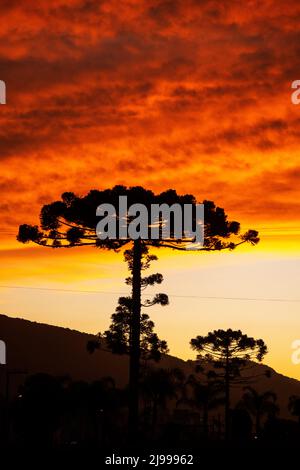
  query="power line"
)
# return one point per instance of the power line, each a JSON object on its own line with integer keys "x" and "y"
{"x": 63, "y": 290}
{"x": 204, "y": 297}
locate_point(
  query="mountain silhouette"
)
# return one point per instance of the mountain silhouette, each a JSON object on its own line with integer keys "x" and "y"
{"x": 36, "y": 347}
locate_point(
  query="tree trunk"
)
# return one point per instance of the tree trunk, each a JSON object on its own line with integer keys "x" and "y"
{"x": 257, "y": 423}
{"x": 227, "y": 399}
{"x": 154, "y": 415}
{"x": 205, "y": 421}
{"x": 134, "y": 360}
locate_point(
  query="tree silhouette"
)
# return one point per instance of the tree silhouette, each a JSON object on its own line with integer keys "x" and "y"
{"x": 72, "y": 222}
{"x": 204, "y": 394}
{"x": 104, "y": 400}
{"x": 39, "y": 408}
{"x": 230, "y": 353}
{"x": 158, "y": 385}
{"x": 118, "y": 337}
{"x": 259, "y": 404}
{"x": 294, "y": 406}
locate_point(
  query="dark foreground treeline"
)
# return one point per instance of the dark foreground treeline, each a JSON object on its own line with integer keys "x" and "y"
{"x": 175, "y": 412}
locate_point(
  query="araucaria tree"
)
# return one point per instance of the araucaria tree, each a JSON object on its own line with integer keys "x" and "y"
{"x": 72, "y": 222}
{"x": 230, "y": 353}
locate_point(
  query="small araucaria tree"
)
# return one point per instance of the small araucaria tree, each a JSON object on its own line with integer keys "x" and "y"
{"x": 231, "y": 353}
{"x": 72, "y": 222}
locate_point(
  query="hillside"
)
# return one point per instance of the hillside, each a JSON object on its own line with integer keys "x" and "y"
{"x": 37, "y": 347}
{"x": 34, "y": 347}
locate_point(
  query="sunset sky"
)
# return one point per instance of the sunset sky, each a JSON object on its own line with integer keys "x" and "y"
{"x": 184, "y": 94}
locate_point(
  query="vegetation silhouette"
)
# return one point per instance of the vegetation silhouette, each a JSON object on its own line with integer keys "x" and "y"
{"x": 203, "y": 394}
{"x": 258, "y": 405}
{"x": 38, "y": 409}
{"x": 230, "y": 354}
{"x": 118, "y": 337}
{"x": 158, "y": 386}
{"x": 294, "y": 406}
{"x": 72, "y": 222}
{"x": 57, "y": 412}
{"x": 178, "y": 410}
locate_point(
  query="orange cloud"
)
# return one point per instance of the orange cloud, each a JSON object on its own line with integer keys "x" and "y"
{"x": 140, "y": 92}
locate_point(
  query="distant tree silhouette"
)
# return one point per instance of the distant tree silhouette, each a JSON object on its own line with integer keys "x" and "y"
{"x": 294, "y": 406}
{"x": 230, "y": 353}
{"x": 72, "y": 222}
{"x": 104, "y": 401}
{"x": 39, "y": 408}
{"x": 158, "y": 385}
{"x": 258, "y": 405}
{"x": 241, "y": 424}
{"x": 118, "y": 337}
{"x": 76, "y": 412}
{"x": 204, "y": 394}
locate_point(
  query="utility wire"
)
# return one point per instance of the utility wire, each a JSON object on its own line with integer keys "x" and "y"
{"x": 204, "y": 297}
